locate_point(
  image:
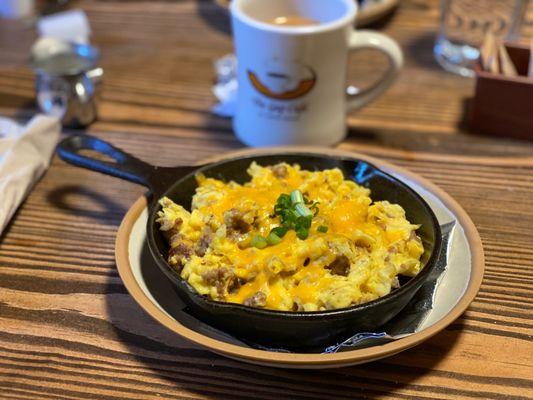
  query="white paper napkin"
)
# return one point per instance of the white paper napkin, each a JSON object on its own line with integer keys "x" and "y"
{"x": 71, "y": 26}
{"x": 25, "y": 153}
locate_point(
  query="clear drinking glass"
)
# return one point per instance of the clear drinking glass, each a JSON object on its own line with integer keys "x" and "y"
{"x": 463, "y": 26}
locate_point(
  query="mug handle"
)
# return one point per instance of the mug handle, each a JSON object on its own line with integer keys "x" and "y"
{"x": 365, "y": 39}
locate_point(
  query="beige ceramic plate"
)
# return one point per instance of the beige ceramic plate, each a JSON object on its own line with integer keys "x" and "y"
{"x": 456, "y": 289}
{"x": 371, "y": 11}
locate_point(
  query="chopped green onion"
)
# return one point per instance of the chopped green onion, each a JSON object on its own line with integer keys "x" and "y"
{"x": 284, "y": 201}
{"x": 273, "y": 239}
{"x": 322, "y": 229}
{"x": 302, "y": 233}
{"x": 302, "y": 210}
{"x": 295, "y": 212}
{"x": 303, "y": 222}
{"x": 297, "y": 197}
{"x": 259, "y": 242}
{"x": 279, "y": 231}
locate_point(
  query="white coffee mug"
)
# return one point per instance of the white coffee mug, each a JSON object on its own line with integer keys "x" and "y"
{"x": 292, "y": 79}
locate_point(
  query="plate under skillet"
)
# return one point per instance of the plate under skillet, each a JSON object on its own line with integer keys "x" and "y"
{"x": 456, "y": 288}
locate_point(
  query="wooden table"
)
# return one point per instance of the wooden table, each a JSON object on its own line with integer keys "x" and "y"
{"x": 69, "y": 329}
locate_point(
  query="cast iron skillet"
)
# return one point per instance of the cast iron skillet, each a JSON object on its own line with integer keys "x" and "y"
{"x": 294, "y": 330}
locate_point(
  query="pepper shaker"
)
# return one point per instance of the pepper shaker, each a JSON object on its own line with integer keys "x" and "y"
{"x": 67, "y": 80}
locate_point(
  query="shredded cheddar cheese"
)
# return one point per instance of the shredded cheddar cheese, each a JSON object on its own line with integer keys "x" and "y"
{"x": 353, "y": 253}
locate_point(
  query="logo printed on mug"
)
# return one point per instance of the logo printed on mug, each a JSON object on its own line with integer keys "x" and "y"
{"x": 278, "y": 82}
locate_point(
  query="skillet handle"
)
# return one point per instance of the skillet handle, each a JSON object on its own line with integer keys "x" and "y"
{"x": 125, "y": 166}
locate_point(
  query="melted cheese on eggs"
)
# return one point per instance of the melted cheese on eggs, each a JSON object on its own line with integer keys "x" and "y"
{"x": 374, "y": 240}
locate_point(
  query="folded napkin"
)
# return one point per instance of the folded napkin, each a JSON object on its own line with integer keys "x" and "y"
{"x": 25, "y": 153}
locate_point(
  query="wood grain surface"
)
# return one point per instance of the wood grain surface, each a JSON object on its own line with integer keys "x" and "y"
{"x": 68, "y": 328}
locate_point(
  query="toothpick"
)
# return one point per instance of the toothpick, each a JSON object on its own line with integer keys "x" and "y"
{"x": 485, "y": 51}
{"x": 489, "y": 54}
{"x": 530, "y": 69}
{"x": 507, "y": 66}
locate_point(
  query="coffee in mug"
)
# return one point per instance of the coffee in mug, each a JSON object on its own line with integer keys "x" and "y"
{"x": 292, "y": 20}
{"x": 292, "y": 60}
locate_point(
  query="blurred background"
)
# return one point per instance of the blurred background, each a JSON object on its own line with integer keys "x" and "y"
{"x": 167, "y": 49}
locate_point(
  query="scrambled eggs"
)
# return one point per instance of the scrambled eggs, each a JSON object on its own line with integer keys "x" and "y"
{"x": 353, "y": 251}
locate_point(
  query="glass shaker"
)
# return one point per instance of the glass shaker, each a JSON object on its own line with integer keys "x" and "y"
{"x": 67, "y": 80}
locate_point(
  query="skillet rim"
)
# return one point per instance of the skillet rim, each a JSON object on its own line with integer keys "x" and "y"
{"x": 184, "y": 287}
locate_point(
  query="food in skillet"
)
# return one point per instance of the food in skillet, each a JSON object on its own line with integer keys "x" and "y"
{"x": 290, "y": 239}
